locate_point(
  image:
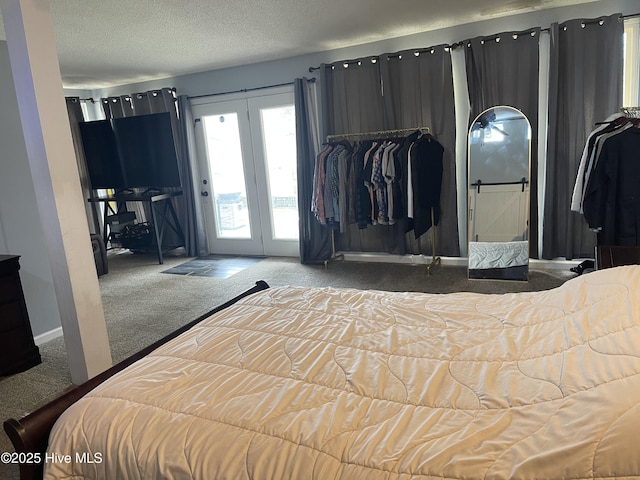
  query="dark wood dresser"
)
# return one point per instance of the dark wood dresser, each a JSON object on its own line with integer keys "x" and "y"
{"x": 18, "y": 351}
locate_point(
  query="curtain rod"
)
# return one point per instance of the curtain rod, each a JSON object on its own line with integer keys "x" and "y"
{"x": 244, "y": 90}
{"x": 93, "y": 100}
{"x": 462, "y": 42}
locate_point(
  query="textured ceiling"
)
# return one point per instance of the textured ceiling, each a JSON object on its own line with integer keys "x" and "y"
{"x": 115, "y": 42}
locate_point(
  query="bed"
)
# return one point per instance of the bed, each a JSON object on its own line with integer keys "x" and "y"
{"x": 327, "y": 383}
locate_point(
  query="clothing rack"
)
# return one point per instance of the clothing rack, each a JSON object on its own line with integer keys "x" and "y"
{"x": 377, "y": 134}
{"x": 334, "y": 256}
{"x": 435, "y": 260}
{"x": 631, "y": 112}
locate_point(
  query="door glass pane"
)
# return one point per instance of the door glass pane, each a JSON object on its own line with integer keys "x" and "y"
{"x": 227, "y": 176}
{"x": 279, "y": 136}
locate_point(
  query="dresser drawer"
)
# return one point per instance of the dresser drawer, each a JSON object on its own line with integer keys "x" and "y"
{"x": 10, "y": 317}
{"x": 18, "y": 351}
{"x": 9, "y": 288}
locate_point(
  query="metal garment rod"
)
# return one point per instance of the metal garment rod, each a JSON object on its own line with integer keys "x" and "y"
{"x": 631, "y": 112}
{"x": 379, "y": 133}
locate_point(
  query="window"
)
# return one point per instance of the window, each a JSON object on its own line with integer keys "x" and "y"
{"x": 631, "y": 91}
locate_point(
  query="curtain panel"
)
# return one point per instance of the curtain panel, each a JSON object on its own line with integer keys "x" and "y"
{"x": 585, "y": 87}
{"x": 389, "y": 92}
{"x": 315, "y": 239}
{"x": 74, "y": 110}
{"x": 187, "y": 205}
{"x": 352, "y": 97}
{"x": 503, "y": 69}
{"x": 418, "y": 92}
{"x": 192, "y": 218}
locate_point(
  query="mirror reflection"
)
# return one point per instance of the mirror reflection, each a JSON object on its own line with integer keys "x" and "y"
{"x": 498, "y": 194}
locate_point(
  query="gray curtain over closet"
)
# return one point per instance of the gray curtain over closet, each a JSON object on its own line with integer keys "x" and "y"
{"x": 503, "y": 69}
{"x": 74, "y": 110}
{"x": 418, "y": 92}
{"x": 392, "y": 92}
{"x": 585, "y": 87}
{"x": 351, "y": 97}
{"x": 315, "y": 239}
{"x": 186, "y": 205}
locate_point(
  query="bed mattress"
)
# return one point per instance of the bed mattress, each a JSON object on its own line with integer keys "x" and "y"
{"x": 299, "y": 383}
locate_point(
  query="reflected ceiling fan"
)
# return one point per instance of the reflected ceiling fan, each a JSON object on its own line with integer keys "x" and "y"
{"x": 486, "y": 121}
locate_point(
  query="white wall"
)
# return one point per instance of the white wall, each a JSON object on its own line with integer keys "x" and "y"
{"x": 20, "y": 225}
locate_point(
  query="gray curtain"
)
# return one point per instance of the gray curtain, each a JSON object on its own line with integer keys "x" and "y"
{"x": 192, "y": 215}
{"x": 503, "y": 69}
{"x": 418, "y": 91}
{"x": 585, "y": 86}
{"x": 117, "y": 107}
{"x": 159, "y": 101}
{"x": 351, "y": 97}
{"x": 74, "y": 110}
{"x": 315, "y": 239}
{"x": 351, "y": 94}
{"x": 393, "y": 92}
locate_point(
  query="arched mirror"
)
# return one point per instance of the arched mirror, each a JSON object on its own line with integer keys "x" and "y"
{"x": 498, "y": 195}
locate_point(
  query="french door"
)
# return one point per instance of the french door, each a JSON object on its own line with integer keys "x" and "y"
{"x": 248, "y": 184}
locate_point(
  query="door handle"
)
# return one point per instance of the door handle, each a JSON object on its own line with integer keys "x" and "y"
{"x": 204, "y": 193}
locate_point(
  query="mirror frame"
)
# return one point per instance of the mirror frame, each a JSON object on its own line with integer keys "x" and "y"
{"x": 517, "y": 247}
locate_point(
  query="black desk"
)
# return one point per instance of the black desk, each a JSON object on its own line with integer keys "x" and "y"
{"x": 162, "y": 213}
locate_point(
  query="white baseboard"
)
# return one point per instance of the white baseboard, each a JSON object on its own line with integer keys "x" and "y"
{"x": 459, "y": 261}
{"x": 47, "y": 336}
{"x": 392, "y": 258}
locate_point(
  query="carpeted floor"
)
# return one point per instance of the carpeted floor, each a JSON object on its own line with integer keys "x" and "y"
{"x": 143, "y": 302}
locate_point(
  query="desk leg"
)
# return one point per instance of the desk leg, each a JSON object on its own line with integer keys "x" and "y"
{"x": 176, "y": 224}
{"x": 105, "y": 226}
{"x": 157, "y": 232}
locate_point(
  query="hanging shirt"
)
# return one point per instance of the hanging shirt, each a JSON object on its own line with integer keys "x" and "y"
{"x": 612, "y": 199}
{"x": 317, "y": 199}
{"x": 578, "y": 189}
{"x": 427, "y": 170}
{"x": 410, "y": 181}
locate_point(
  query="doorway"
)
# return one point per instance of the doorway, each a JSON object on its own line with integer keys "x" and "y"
{"x": 248, "y": 172}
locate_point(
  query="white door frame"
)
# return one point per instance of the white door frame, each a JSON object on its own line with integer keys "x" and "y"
{"x": 247, "y": 105}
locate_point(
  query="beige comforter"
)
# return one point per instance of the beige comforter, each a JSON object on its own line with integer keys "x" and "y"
{"x": 299, "y": 383}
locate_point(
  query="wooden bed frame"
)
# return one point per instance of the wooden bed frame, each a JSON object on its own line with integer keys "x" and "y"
{"x": 30, "y": 434}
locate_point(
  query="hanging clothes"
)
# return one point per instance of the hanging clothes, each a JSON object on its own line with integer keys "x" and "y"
{"x": 405, "y": 184}
{"x": 378, "y": 182}
{"x": 586, "y": 160}
{"x": 426, "y": 177}
{"x": 319, "y": 174}
{"x": 611, "y": 179}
